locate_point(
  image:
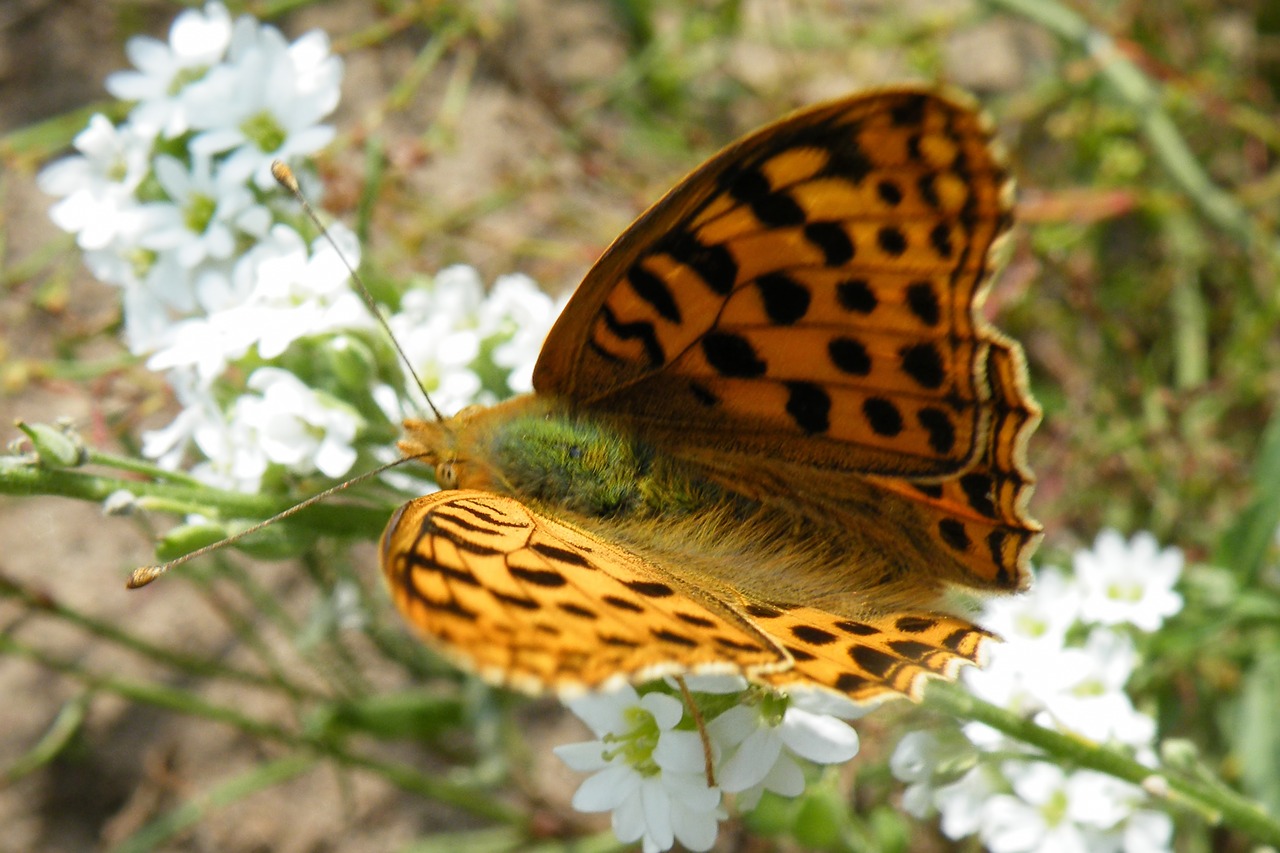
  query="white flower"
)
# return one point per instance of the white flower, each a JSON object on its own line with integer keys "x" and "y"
{"x": 156, "y": 290}
{"x": 1086, "y": 695}
{"x": 1033, "y": 627}
{"x": 1041, "y": 616}
{"x": 922, "y": 759}
{"x": 297, "y": 427}
{"x": 160, "y": 85}
{"x": 1148, "y": 831}
{"x": 300, "y": 292}
{"x": 284, "y": 422}
{"x": 279, "y": 291}
{"x": 648, "y": 773}
{"x": 453, "y": 334}
{"x": 265, "y": 101}
{"x": 437, "y": 329}
{"x": 1052, "y": 810}
{"x": 1129, "y": 582}
{"x": 204, "y": 213}
{"x": 518, "y": 311}
{"x": 1035, "y": 819}
{"x": 762, "y": 741}
{"x": 200, "y": 411}
{"x": 233, "y": 459}
{"x": 97, "y": 185}
{"x": 960, "y": 803}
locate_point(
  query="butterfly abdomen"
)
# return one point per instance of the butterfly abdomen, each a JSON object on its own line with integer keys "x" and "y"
{"x": 559, "y": 458}
{"x": 549, "y": 456}
{"x": 599, "y": 475}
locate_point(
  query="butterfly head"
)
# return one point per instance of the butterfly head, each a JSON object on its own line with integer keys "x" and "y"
{"x": 461, "y": 448}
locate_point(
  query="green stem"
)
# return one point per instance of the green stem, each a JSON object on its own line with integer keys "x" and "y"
{"x": 1219, "y": 803}
{"x": 19, "y": 476}
{"x": 140, "y": 466}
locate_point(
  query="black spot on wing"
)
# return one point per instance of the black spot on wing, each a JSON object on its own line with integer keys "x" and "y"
{"x": 732, "y": 355}
{"x": 923, "y": 363}
{"x": 979, "y": 489}
{"x": 890, "y": 193}
{"x": 883, "y": 416}
{"x": 954, "y": 534}
{"x": 857, "y": 629}
{"x": 650, "y": 589}
{"x": 891, "y": 240}
{"x": 909, "y": 113}
{"x": 669, "y": 636}
{"x": 942, "y": 432}
{"x": 751, "y": 187}
{"x": 832, "y": 240}
{"x": 850, "y": 683}
{"x": 940, "y": 239}
{"x": 849, "y": 356}
{"x": 515, "y": 600}
{"x": 561, "y": 555}
{"x": 785, "y": 299}
{"x": 809, "y": 406}
{"x": 653, "y": 290}
{"x": 813, "y": 635}
{"x": 640, "y": 330}
{"x": 874, "y": 661}
{"x": 856, "y": 295}
{"x": 577, "y": 610}
{"x": 547, "y": 578}
{"x": 714, "y": 264}
{"x": 922, "y": 300}
{"x": 619, "y": 603}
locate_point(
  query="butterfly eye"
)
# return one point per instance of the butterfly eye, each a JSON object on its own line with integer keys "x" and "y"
{"x": 447, "y": 475}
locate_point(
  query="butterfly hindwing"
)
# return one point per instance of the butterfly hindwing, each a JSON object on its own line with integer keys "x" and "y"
{"x": 980, "y": 516}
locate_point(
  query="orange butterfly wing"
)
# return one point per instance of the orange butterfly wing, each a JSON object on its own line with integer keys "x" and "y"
{"x": 806, "y": 304}
{"x": 810, "y": 296}
{"x": 527, "y": 602}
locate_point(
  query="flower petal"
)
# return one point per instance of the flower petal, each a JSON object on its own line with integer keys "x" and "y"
{"x": 680, "y": 752}
{"x": 751, "y": 763}
{"x": 585, "y": 757}
{"x": 819, "y": 738}
{"x": 607, "y": 789}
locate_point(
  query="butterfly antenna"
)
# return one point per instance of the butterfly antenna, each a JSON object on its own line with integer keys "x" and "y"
{"x": 146, "y": 574}
{"x": 285, "y": 178}
{"x": 707, "y": 757}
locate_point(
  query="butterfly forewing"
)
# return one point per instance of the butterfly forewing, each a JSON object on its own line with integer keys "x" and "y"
{"x": 869, "y": 658}
{"x": 531, "y": 602}
{"x": 814, "y": 281}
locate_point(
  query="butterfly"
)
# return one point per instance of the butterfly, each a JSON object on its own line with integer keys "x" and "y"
{"x": 770, "y": 435}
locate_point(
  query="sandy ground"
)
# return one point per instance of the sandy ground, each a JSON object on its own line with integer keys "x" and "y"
{"x": 131, "y": 761}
